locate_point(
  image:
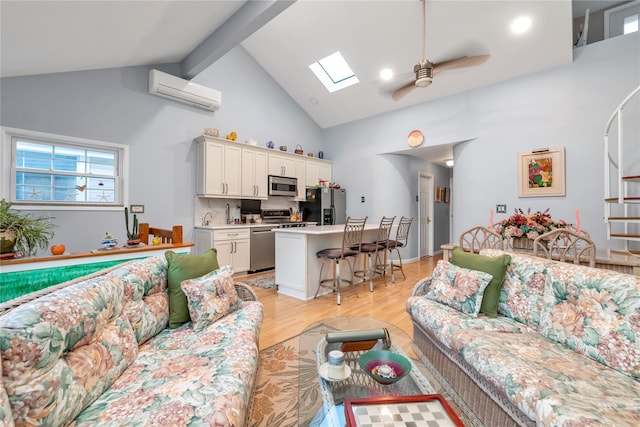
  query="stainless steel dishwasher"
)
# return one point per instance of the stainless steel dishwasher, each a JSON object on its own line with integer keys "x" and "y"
{"x": 262, "y": 248}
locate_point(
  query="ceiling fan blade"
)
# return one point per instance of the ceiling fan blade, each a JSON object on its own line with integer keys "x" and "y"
{"x": 462, "y": 62}
{"x": 403, "y": 91}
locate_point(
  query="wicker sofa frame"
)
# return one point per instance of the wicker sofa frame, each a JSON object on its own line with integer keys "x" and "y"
{"x": 467, "y": 387}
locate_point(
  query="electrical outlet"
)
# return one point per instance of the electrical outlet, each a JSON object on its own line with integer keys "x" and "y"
{"x": 501, "y": 208}
{"x": 362, "y": 199}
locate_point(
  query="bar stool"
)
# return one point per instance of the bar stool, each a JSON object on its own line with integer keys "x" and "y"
{"x": 368, "y": 249}
{"x": 352, "y": 237}
{"x": 402, "y": 236}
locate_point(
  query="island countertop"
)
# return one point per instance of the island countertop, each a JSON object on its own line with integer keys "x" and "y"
{"x": 322, "y": 230}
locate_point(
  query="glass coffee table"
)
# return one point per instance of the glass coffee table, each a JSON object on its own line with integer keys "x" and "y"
{"x": 320, "y": 400}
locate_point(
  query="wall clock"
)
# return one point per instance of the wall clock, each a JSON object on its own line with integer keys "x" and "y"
{"x": 415, "y": 138}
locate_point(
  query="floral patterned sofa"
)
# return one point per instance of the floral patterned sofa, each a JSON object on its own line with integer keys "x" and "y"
{"x": 99, "y": 352}
{"x": 564, "y": 349}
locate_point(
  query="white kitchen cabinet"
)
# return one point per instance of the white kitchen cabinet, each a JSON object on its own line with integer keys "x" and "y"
{"x": 232, "y": 246}
{"x": 301, "y": 171}
{"x": 218, "y": 169}
{"x": 317, "y": 170}
{"x": 254, "y": 174}
{"x": 282, "y": 165}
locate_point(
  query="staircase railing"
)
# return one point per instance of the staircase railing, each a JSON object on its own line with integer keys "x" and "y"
{"x": 622, "y": 181}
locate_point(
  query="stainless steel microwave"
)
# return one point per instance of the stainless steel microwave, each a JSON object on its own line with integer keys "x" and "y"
{"x": 283, "y": 186}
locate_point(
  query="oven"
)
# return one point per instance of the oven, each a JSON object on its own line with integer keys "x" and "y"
{"x": 283, "y": 186}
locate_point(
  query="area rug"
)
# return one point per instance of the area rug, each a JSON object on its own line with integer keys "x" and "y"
{"x": 264, "y": 282}
{"x": 286, "y": 382}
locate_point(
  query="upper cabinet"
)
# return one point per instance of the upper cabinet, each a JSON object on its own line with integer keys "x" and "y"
{"x": 282, "y": 165}
{"x": 218, "y": 169}
{"x": 254, "y": 174}
{"x": 228, "y": 169}
{"x": 316, "y": 171}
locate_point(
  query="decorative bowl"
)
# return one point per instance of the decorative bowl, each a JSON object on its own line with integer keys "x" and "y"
{"x": 384, "y": 366}
{"x": 109, "y": 243}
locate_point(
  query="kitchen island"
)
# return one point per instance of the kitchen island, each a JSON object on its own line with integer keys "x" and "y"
{"x": 297, "y": 267}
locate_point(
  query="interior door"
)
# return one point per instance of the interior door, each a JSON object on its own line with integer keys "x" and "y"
{"x": 425, "y": 214}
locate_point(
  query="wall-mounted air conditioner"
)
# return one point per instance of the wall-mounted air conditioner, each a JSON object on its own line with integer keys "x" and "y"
{"x": 172, "y": 87}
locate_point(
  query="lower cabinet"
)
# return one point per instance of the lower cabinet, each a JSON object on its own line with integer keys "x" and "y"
{"x": 232, "y": 246}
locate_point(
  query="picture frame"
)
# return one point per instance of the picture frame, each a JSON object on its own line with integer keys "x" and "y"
{"x": 541, "y": 173}
{"x": 429, "y": 409}
{"x": 438, "y": 195}
{"x": 447, "y": 195}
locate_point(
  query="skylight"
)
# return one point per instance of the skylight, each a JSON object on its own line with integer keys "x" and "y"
{"x": 334, "y": 72}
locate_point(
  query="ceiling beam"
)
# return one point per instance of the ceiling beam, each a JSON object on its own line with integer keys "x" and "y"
{"x": 246, "y": 21}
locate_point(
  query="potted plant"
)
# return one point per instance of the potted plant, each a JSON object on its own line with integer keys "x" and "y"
{"x": 133, "y": 238}
{"x": 24, "y": 233}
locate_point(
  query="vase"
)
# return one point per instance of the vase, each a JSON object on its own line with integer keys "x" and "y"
{"x": 522, "y": 243}
{"x": 7, "y": 246}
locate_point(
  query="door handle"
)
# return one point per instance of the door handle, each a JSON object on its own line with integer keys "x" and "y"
{"x": 428, "y": 220}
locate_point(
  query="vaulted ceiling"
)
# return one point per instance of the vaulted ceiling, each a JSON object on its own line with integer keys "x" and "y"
{"x": 286, "y": 36}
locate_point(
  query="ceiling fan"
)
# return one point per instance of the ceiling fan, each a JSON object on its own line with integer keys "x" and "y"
{"x": 425, "y": 69}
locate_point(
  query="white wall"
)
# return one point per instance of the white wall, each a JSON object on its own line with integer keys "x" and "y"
{"x": 564, "y": 107}
{"x": 114, "y": 105}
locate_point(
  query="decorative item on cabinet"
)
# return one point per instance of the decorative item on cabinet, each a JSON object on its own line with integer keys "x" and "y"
{"x": 270, "y": 145}
{"x": 298, "y": 149}
{"x": 320, "y": 154}
{"x": 251, "y": 141}
{"x": 232, "y": 136}
{"x": 283, "y": 148}
{"x": 212, "y": 132}
{"x": 310, "y": 154}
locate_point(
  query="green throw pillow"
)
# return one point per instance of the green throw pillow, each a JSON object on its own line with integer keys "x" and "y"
{"x": 185, "y": 267}
{"x": 495, "y": 266}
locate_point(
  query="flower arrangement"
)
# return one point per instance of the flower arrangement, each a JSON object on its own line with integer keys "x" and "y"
{"x": 528, "y": 224}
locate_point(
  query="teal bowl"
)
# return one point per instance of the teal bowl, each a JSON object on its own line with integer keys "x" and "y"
{"x": 384, "y": 366}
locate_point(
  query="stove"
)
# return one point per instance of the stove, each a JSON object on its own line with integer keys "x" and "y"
{"x": 280, "y": 218}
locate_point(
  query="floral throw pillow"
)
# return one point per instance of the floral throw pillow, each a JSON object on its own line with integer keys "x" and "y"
{"x": 210, "y": 296}
{"x": 458, "y": 287}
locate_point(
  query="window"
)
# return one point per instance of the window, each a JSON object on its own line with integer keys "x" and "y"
{"x": 621, "y": 19}
{"x": 53, "y": 170}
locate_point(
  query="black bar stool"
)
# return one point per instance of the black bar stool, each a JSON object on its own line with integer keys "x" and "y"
{"x": 352, "y": 237}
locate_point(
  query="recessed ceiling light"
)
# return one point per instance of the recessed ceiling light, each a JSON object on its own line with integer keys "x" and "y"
{"x": 521, "y": 24}
{"x": 334, "y": 72}
{"x": 449, "y": 162}
{"x": 386, "y": 74}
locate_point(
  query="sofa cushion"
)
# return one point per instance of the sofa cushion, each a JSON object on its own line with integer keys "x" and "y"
{"x": 60, "y": 352}
{"x": 187, "y": 378}
{"x": 548, "y": 382}
{"x": 210, "y": 297}
{"x": 523, "y": 287}
{"x": 6, "y": 418}
{"x": 442, "y": 321}
{"x": 146, "y": 302}
{"x": 495, "y": 266}
{"x": 183, "y": 267}
{"x": 458, "y": 287}
{"x": 596, "y": 313}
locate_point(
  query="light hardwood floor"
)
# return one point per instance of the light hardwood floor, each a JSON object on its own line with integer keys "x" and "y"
{"x": 285, "y": 317}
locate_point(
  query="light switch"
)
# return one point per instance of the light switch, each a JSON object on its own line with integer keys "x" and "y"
{"x": 501, "y": 208}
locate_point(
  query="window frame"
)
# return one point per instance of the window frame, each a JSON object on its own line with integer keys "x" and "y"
{"x": 8, "y": 175}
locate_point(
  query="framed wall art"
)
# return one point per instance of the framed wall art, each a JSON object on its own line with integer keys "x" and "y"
{"x": 447, "y": 195}
{"x": 541, "y": 173}
{"x": 438, "y": 196}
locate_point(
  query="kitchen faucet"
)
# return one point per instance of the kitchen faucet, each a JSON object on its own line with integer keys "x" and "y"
{"x": 227, "y": 214}
{"x": 205, "y": 221}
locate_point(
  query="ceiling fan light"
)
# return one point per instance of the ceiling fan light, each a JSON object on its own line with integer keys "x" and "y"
{"x": 424, "y": 82}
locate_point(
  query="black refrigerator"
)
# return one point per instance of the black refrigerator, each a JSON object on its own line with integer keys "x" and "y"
{"x": 326, "y": 206}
